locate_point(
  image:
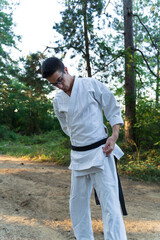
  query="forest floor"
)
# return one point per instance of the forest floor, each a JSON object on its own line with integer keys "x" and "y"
{"x": 34, "y": 200}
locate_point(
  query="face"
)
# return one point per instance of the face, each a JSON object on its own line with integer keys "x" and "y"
{"x": 61, "y": 80}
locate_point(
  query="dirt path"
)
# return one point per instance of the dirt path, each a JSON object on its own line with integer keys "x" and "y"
{"x": 34, "y": 204}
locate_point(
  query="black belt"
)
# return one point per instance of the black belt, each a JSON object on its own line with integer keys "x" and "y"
{"x": 89, "y": 147}
{"x": 95, "y": 145}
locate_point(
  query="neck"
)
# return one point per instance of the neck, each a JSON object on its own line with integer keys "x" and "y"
{"x": 72, "y": 82}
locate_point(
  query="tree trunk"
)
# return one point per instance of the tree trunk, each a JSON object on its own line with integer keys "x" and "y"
{"x": 87, "y": 57}
{"x": 129, "y": 73}
{"x": 158, "y": 82}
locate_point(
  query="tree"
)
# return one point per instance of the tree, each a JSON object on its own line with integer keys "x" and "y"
{"x": 24, "y": 106}
{"x": 106, "y": 52}
{"x": 77, "y": 29}
{"x": 31, "y": 76}
{"x": 141, "y": 47}
{"x": 8, "y": 67}
{"x": 38, "y": 107}
{"x": 129, "y": 72}
{"x": 147, "y": 43}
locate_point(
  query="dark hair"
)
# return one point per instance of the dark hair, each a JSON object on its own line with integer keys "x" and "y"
{"x": 50, "y": 66}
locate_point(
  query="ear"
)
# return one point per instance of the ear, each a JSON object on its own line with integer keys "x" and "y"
{"x": 66, "y": 70}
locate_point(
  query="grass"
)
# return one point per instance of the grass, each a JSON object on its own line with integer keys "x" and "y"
{"x": 141, "y": 165}
{"x": 54, "y": 147}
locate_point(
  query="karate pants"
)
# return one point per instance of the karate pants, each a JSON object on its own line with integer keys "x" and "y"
{"x": 106, "y": 185}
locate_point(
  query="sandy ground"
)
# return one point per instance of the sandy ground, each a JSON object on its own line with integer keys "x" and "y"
{"x": 34, "y": 204}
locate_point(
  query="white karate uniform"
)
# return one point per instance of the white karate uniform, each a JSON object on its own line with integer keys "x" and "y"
{"x": 81, "y": 118}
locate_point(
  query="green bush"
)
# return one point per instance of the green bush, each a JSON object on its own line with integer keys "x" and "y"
{"x": 143, "y": 165}
{"x": 148, "y": 124}
{"x": 6, "y": 133}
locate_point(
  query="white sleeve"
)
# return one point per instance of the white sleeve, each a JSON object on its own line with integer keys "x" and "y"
{"x": 61, "y": 117}
{"x": 108, "y": 102}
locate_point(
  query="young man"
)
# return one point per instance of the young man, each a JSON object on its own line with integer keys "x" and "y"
{"x": 79, "y": 107}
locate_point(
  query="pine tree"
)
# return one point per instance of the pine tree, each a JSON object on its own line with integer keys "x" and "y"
{"x": 129, "y": 72}
{"x": 79, "y": 33}
{"x": 8, "y": 67}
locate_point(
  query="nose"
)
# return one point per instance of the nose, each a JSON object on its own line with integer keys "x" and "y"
{"x": 60, "y": 85}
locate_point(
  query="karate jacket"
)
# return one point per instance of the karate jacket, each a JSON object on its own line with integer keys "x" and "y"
{"x": 81, "y": 118}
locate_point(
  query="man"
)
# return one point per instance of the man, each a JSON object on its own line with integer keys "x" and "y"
{"x": 78, "y": 106}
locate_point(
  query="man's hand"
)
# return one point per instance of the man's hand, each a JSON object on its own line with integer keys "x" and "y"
{"x": 110, "y": 143}
{"x": 108, "y": 148}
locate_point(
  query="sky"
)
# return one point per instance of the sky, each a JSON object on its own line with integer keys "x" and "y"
{"x": 34, "y": 21}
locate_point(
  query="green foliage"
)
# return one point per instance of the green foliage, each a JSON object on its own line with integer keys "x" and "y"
{"x": 144, "y": 165}
{"x": 24, "y": 105}
{"x": 35, "y": 114}
{"x": 25, "y": 114}
{"x": 79, "y": 30}
{"x": 8, "y": 67}
{"x": 8, "y": 40}
{"x": 148, "y": 124}
{"x": 147, "y": 39}
{"x": 32, "y": 78}
{"x": 6, "y": 134}
{"x": 51, "y": 146}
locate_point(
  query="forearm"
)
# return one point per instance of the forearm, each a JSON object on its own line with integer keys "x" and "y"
{"x": 115, "y": 132}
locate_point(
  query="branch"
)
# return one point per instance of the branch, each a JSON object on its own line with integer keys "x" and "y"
{"x": 139, "y": 77}
{"x": 47, "y": 47}
{"x": 121, "y": 33}
{"x": 135, "y": 15}
{"x": 106, "y": 5}
{"x": 137, "y": 50}
{"x": 114, "y": 60}
{"x": 106, "y": 65}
